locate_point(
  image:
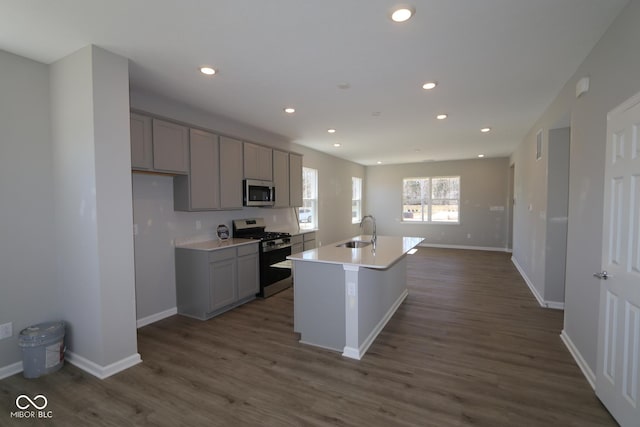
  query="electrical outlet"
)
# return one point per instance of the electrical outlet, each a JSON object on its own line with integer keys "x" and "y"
{"x": 198, "y": 224}
{"x": 6, "y": 330}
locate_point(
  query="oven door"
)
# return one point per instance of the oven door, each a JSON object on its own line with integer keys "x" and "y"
{"x": 274, "y": 267}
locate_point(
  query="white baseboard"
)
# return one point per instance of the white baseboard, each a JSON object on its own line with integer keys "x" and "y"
{"x": 354, "y": 353}
{"x": 155, "y": 317}
{"x": 475, "y": 248}
{"x": 545, "y": 304}
{"x": 586, "y": 370}
{"x": 9, "y": 370}
{"x": 102, "y": 372}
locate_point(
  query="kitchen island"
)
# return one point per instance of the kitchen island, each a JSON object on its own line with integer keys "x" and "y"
{"x": 344, "y": 296}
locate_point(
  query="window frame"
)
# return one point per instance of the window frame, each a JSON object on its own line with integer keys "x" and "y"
{"x": 356, "y": 198}
{"x": 428, "y": 206}
{"x": 309, "y": 202}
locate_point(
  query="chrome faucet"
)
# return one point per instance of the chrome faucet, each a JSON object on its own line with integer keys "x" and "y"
{"x": 374, "y": 236}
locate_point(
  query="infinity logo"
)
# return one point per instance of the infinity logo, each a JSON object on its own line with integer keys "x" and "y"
{"x": 20, "y": 399}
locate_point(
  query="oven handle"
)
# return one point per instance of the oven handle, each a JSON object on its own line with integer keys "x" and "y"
{"x": 275, "y": 248}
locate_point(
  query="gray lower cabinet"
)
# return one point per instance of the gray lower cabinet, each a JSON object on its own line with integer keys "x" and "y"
{"x": 209, "y": 283}
{"x": 297, "y": 244}
{"x": 309, "y": 240}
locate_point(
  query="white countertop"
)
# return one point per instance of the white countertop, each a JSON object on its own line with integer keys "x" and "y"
{"x": 388, "y": 250}
{"x": 212, "y": 245}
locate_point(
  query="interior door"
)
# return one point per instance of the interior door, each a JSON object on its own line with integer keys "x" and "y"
{"x": 617, "y": 375}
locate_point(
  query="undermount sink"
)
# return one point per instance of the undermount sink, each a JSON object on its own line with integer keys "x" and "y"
{"x": 354, "y": 244}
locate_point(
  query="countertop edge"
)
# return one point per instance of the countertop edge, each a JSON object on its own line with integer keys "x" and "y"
{"x": 216, "y": 244}
{"x": 299, "y": 258}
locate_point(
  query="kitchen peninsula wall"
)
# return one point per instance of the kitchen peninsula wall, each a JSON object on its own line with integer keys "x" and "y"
{"x": 157, "y": 226}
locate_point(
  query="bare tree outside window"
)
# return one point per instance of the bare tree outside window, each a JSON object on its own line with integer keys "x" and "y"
{"x": 431, "y": 199}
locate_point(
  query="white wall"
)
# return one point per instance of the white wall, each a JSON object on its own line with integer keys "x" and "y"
{"x": 614, "y": 69}
{"x": 27, "y": 246}
{"x": 94, "y": 242}
{"x": 483, "y": 184}
{"x": 159, "y": 226}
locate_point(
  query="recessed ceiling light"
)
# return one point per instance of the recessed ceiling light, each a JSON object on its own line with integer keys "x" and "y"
{"x": 289, "y": 110}
{"x": 331, "y": 130}
{"x": 402, "y": 14}
{"x": 208, "y": 71}
{"x": 485, "y": 130}
{"x": 429, "y": 85}
{"x": 442, "y": 116}
{"x": 379, "y": 162}
{"x": 481, "y": 155}
{"x": 337, "y": 144}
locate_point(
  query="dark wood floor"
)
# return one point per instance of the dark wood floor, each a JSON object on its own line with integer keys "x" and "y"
{"x": 470, "y": 346}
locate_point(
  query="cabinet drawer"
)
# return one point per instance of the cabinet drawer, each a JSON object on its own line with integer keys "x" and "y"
{"x": 247, "y": 249}
{"x": 296, "y": 239}
{"x": 309, "y": 236}
{"x": 222, "y": 254}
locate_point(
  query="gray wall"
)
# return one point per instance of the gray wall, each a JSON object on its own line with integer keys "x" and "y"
{"x": 557, "y": 214}
{"x": 27, "y": 244}
{"x": 159, "y": 226}
{"x": 483, "y": 184}
{"x": 94, "y": 244}
{"x": 614, "y": 68}
{"x": 66, "y": 249}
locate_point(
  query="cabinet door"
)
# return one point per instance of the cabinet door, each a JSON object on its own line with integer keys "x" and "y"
{"x": 281, "y": 178}
{"x": 204, "y": 182}
{"x": 258, "y": 162}
{"x": 222, "y": 276}
{"x": 295, "y": 180}
{"x": 141, "y": 145}
{"x": 248, "y": 276}
{"x": 170, "y": 147}
{"x": 230, "y": 173}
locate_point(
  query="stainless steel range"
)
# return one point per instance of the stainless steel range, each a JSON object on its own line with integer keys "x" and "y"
{"x": 274, "y": 249}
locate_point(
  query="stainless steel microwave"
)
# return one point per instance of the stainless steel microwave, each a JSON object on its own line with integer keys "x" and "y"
{"x": 258, "y": 193}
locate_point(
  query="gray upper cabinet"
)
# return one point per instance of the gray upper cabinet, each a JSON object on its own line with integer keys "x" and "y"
{"x": 258, "y": 162}
{"x": 230, "y": 173}
{"x": 200, "y": 190}
{"x": 295, "y": 180}
{"x": 141, "y": 142}
{"x": 281, "y": 178}
{"x": 170, "y": 147}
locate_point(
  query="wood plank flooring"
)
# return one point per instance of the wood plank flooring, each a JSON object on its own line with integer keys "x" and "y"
{"x": 469, "y": 347}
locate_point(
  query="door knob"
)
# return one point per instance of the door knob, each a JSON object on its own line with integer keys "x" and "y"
{"x": 602, "y": 275}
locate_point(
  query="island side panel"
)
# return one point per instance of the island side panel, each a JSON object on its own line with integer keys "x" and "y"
{"x": 318, "y": 295}
{"x": 380, "y": 292}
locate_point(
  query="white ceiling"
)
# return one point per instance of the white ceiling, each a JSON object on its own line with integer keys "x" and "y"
{"x": 499, "y": 63}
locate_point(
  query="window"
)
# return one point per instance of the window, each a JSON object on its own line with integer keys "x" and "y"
{"x": 433, "y": 199}
{"x": 356, "y": 200}
{"x": 308, "y": 213}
